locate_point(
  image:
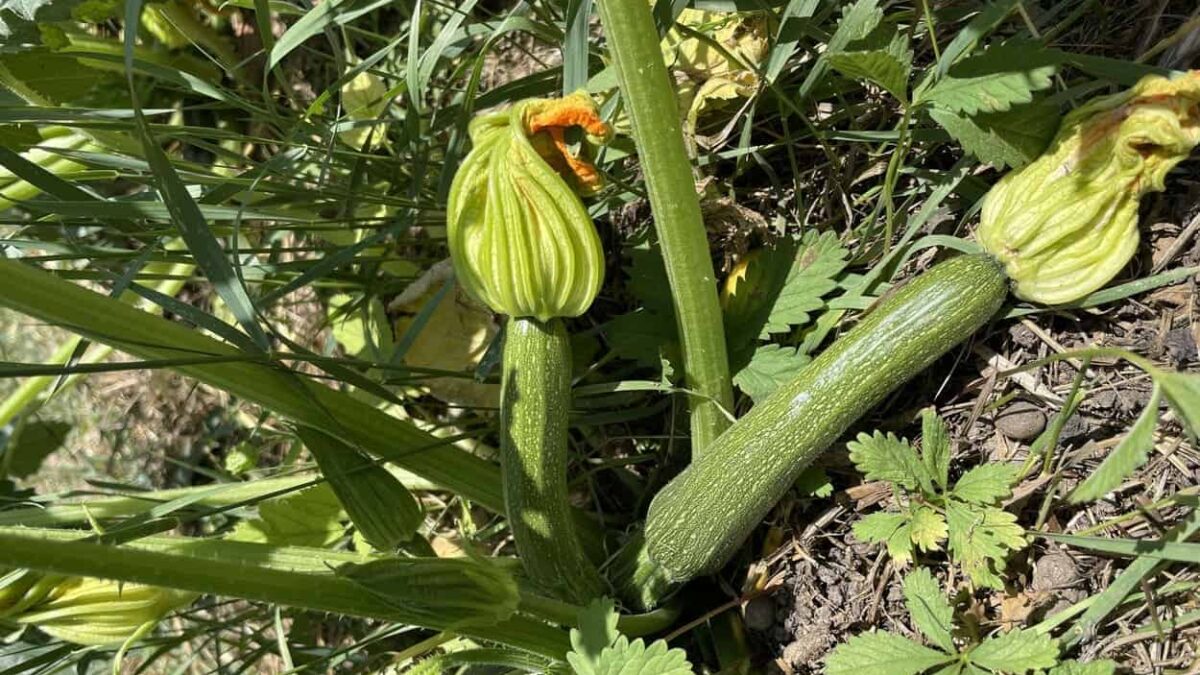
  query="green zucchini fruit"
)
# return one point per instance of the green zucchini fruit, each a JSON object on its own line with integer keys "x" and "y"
{"x": 535, "y": 399}
{"x": 699, "y": 520}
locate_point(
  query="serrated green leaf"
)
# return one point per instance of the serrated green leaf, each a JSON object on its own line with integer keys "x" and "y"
{"x": 1128, "y": 455}
{"x": 927, "y": 605}
{"x": 981, "y": 537}
{"x": 597, "y": 630}
{"x": 19, "y": 19}
{"x": 771, "y": 366}
{"x": 1012, "y": 138}
{"x": 935, "y": 447}
{"x": 819, "y": 259}
{"x": 309, "y": 517}
{"x": 858, "y": 20}
{"x": 928, "y": 528}
{"x": 1016, "y": 651}
{"x": 986, "y": 483}
{"x": 889, "y": 458}
{"x": 1183, "y": 393}
{"x": 635, "y": 658}
{"x": 1073, "y": 667}
{"x": 994, "y": 81}
{"x": 878, "y": 66}
{"x": 879, "y": 653}
{"x": 814, "y": 482}
{"x": 879, "y": 527}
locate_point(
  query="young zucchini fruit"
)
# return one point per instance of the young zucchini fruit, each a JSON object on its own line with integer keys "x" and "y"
{"x": 1058, "y": 229}
{"x": 523, "y": 244}
{"x": 699, "y": 520}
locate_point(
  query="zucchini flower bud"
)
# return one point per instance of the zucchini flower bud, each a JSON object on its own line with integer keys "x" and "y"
{"x": 99, "y": 612}
{"x": 1066, "y": 224}
{"x": 521, "y": 240}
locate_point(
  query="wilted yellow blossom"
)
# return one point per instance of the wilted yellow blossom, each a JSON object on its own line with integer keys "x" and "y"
{"x": 521, "y": 241}
{"x": 718, "y": 74}
{"x": 363, "y": 99}
{"x": 1067, "y": 223}
{"x": 455, "y": 336}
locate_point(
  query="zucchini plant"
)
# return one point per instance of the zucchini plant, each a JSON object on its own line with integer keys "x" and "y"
{"x": 523, "y": 244}
{"x": 1054, "y": 230}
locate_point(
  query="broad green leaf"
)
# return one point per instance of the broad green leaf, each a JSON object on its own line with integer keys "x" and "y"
{"x": 770, "y": 367}
{"x": 879, "y": 66}
{"x": 309, "y": 517}
{"x": 986, "y": 483}
{"x": 377, "y": 502}
{"x": 928, "y": 528}
{"x": 597, "y": 630}
{"x": 1016, "y": 651}
{"x": 935, "y": 447}
{"x": 879, "y": 653}
{"x": 648, "y": 278}
{"x": 1183, "y": 393}
{"x": 1001, "y": 77}
{"x": 1127, "y": 456}
{"x": 643, "y": 336}
{"x": 23, "y": 455}
{"x": 981, "y": 537}
{"x": 1012, "y": 138}
{"x": 927, "y": 605}
{"x": 889, "y": 458}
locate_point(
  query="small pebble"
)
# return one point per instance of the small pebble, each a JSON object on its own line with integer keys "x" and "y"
{"x": 1021, "y": 421}
{"x": 1054, "y": 571}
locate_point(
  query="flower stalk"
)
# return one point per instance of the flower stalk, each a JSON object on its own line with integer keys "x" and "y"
{"x": 649, "y": 96}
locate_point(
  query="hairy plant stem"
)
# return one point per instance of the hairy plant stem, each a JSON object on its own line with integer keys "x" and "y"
{"x": 649, "y": 95}
{"x": 535, "y": 402}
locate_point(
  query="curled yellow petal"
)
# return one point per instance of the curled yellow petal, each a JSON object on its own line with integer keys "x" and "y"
{"x": 521, "y": 241}
{"x": 1066, "y": 224}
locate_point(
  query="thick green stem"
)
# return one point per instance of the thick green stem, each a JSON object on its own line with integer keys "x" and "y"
{"x": 535, "y": 401}
{"x": 649, "y": 96}
{"x": 434, "y": 593}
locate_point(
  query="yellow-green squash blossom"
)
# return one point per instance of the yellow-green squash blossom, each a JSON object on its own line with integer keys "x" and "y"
{"x": 521, "y": 241}
{"x": 94, "y": 611}
{"x": 1066, "y": 224}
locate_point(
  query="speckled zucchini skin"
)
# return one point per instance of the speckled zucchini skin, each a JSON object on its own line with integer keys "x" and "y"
{"x": 535, "y": 402}
{"x": 700, "y": 519}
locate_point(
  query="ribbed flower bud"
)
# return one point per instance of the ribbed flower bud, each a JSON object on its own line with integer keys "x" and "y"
{"x": 99, "y": 612}
{"x": 521, "y": 240}
{"x": 1067, "y": 223}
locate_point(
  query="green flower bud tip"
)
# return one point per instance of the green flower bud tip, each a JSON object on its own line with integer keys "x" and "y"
{"x": 521, "y": 241}
{"x": 1067, "y": 223}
